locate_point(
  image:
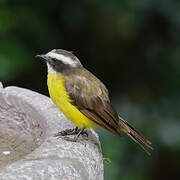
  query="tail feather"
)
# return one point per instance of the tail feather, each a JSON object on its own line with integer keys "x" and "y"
{"x": 135, "y": 135}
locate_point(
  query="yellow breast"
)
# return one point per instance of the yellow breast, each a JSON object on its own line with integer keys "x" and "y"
{"x": 62, "y": 100}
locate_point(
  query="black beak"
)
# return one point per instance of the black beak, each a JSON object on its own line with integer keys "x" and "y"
{"x": 42, "y": 57}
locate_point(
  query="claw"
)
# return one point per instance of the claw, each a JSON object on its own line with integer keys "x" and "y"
{"x": 84, "y": 133}
{"x": 77, "y": 132}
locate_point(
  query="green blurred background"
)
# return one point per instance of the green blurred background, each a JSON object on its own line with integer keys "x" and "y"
{"x": 132, "y": 46}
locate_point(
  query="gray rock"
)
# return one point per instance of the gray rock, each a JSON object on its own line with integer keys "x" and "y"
{"x": 28, "y": 150}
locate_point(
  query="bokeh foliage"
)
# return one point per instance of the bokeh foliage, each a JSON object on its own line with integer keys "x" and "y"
{"x": 133, "y": 46}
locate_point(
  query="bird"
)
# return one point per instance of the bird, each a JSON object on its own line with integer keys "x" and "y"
{"x": 84, "y": 99}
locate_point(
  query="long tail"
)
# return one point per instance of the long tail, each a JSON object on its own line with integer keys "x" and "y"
{"x": 135, "y": 135}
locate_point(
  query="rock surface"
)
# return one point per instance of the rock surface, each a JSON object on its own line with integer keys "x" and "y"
{"x": 28, "y": 150}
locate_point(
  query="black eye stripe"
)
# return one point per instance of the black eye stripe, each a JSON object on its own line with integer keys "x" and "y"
{"x": 53, "y": 59}
{"x": 56, "y": 63}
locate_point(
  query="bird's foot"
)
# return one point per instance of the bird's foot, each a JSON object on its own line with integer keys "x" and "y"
{"x": 77, "y": 132}
{"x": 67, "y": 132}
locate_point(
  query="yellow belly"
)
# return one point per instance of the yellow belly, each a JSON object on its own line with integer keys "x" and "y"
{"x": 60, "y": 97}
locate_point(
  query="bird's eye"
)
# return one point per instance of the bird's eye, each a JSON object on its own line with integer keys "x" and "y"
{"x": 53, "y": 59}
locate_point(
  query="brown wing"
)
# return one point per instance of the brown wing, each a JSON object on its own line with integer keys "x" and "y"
{"x": 91, "y": 97}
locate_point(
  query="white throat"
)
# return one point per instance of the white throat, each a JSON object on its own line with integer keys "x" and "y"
{"x": 50, "y": 69}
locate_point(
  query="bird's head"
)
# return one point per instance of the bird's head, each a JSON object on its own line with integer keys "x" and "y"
{"x": 59, "y": 60}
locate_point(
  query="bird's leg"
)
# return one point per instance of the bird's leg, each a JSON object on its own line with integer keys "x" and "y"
{"x": 67, "y": 132}
{"x": 84, "y": 133}
{"x": 76, "y": 131}
{"x": 81, "y": 132}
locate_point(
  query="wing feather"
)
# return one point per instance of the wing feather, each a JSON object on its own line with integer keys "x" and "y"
{"x": 91, "y": 97}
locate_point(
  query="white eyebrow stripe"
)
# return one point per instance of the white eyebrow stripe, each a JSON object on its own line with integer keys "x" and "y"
{"x": 60, "y": 57}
